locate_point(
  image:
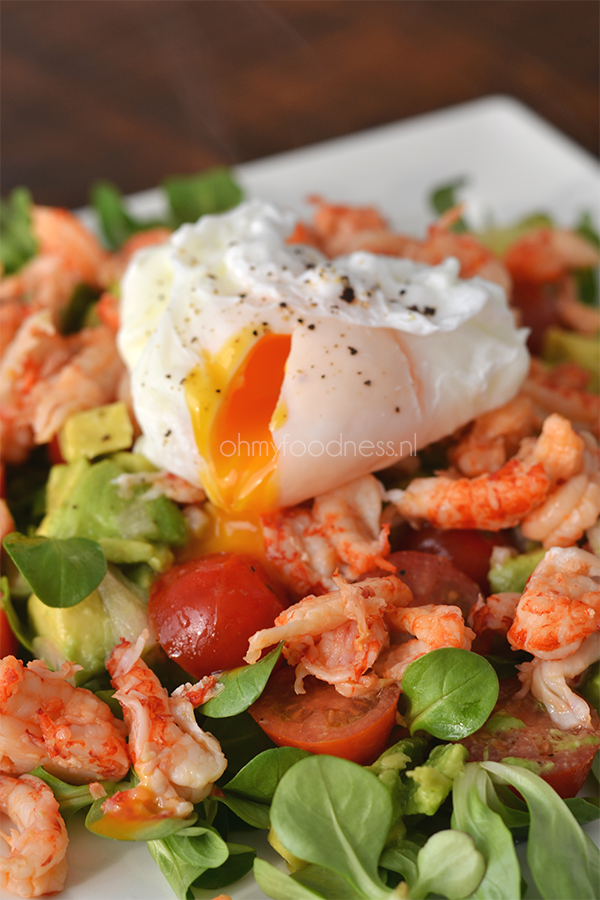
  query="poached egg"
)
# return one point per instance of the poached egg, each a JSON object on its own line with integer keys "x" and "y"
{"x": 267, "y": 373}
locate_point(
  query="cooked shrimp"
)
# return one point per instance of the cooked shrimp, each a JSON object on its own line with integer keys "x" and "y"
{"x": 46, "y": 377}
{"x": 572, "y": 507}
{"x": 572, "y": 312}
{"x": 547, "y": 681}
{"x": 504, "y": 498}
{"x": 341, "y": 532}
{"x": 342, "y": 229}
{"x": 48, "y": 722}
{"x": 563, "y": 389}
{"x": 176, "y": 762}
{"x": 495, "y": 613}
{"x": 36, "y": 864}
{"x": 68, "y": 254}
{"x": 493, "y": 438}
{"x": 12, "y": 315}
{"x": 90, "y": 379}
{"x": 546, "y": 254}
{"x": 560, "y": 605}
{"x": 336, "y": 636}
{"x": 433, "y": 626}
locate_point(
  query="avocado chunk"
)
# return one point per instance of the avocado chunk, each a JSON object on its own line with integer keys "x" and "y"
{"x": 131, "y": 524}
{"x": 96, "y": 432}
{"x": 512, "y": 575}
{"x": 568, "y": 346}
{"x": 433, "y": 780}
{"x": 590, "y": 686}
{"x": 87, "y": 633}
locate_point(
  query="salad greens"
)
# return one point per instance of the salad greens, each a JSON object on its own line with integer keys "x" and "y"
{"x": 241, "y": 687}
{"x": 61, "y": 572}
{"x": 188, "y": 197}
{"x": 17, "y": 241}
{"x": 450, "y": 693}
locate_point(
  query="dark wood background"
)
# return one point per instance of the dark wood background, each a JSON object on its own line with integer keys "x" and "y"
{"x": 134, "y": 90}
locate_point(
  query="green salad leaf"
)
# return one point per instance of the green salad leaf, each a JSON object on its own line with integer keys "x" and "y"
{"x": 473, "y": 815}
{"x": 553, "y": 835}
{"x": 72, "y": 797}
{"x": 444, "y": 198}
{"x": 238, "y": 863}
{"x": 250, "y": 792}
{"x": 192, "y": 196}
{"x": 242, "y": 686}
{"x": 188, "y": 196}
{"x": 450, "y": 693}
{"x": 18, "y": 243}
{"x": 333, "y": 813}
{"x": 61, "y": 572}
{"x": 21, "y": 629}
{"x": 116, "y": 223}
{"x": 183, "y": 858}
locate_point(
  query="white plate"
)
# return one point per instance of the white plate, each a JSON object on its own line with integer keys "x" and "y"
{"x": 515, "y": 163}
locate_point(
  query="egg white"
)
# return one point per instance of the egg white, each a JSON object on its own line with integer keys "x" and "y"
{"x": 367, "y": 379}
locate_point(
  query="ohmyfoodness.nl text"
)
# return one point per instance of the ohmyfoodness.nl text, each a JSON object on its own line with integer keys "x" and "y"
{"x": 337, "y": 447}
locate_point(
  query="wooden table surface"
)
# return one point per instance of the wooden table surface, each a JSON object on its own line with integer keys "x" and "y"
{"x": 134, "y": 90}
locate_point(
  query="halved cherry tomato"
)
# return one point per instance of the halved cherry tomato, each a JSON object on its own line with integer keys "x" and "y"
{"x": 323, "y": 721}
{"x": 537, "y": 305}
{"x": 9, "y": 645}
{"x": 54, "y": 452}
{"x": 204, "y": 610}
{"x": 433, "y": 579}
{"x": 520, "y": 728}
{"x": 468, "y": 549}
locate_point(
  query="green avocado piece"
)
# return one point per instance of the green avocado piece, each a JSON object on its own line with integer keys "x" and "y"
{"x": 87, "y": 633}
{"x": 590, "y": 687}
{"x": 81, "y": 634}
{"x": 568, "y": 346}
{"x": 512, "y": 575}
{"x": 84, "y": 501}
{"x": 433, "y": 780}
{"x": 501, "y": 722}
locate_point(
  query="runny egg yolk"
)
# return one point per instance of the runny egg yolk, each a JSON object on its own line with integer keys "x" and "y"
{"x": 232, "y": 399}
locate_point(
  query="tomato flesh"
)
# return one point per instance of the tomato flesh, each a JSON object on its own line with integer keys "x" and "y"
{"x": 9, "y": 645}
{"x": 520, "y": 728}
{"x": 434, "y": 579}
{"x": 469, "y": 550}
{"x": 323, "y": 721}
{"x": 205, "y": 610}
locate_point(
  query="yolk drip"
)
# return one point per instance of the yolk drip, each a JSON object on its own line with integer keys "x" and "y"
{"x": 231, "y": 416}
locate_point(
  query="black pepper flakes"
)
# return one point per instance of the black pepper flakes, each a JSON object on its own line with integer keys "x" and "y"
{"x": 367, "y": 382}
{"x": 353, "y": 351}
{"x": 347, "y": 294}
{"x": 311, "y": 327}
{"x": 397, "y": 409}
{"x": 168, "y": 433}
